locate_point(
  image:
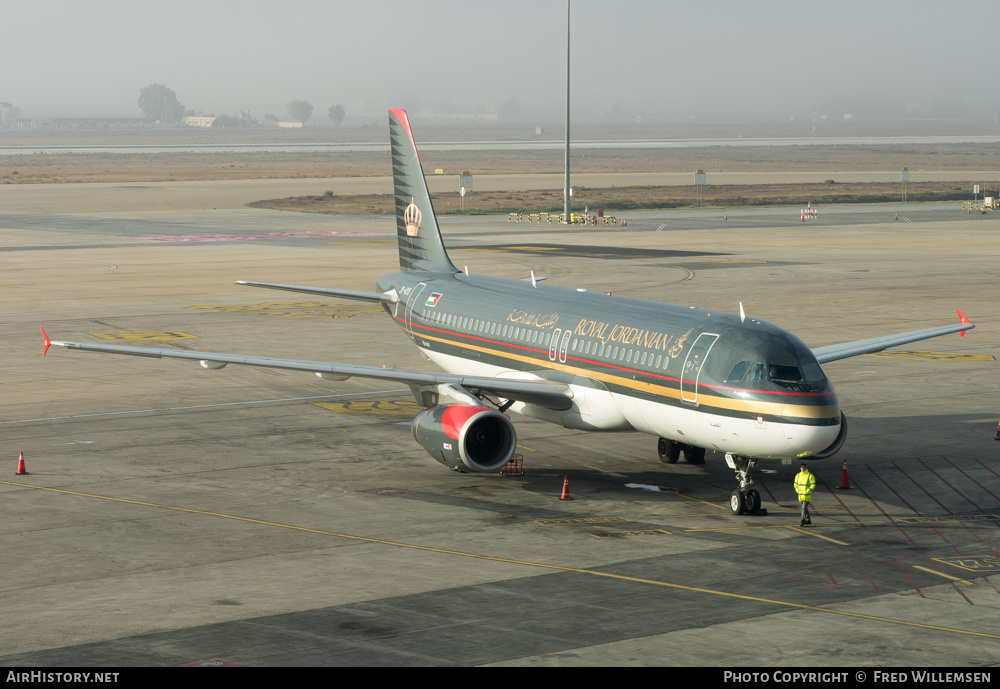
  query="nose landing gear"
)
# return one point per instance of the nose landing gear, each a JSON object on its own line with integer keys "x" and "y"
{"x": 744, "y": 500}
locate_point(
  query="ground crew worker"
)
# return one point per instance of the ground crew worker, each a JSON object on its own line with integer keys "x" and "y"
{"x": 805, "y": 483}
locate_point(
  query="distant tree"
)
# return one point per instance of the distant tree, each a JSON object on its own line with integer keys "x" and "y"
{"x": 160, "y": 103}
{"x": 336, "y": 113}
{"x": 271, "y": 118}
{"x": 226, "y": 121}
{"x": 300, "y": 110}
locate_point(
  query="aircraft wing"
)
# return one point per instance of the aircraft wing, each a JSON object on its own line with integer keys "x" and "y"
{"x": 877, "y": 344}
{"x": 552, "y": 395}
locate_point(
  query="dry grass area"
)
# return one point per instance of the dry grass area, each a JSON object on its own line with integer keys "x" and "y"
{"x": 111, "y": 167}
{"x": 151, "y": 167}
{"x": 620, "y": 199}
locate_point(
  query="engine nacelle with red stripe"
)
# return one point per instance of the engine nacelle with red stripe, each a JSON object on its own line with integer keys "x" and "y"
{"x": 466, "y": 438}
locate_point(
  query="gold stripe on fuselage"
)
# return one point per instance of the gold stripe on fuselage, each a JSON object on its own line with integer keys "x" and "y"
{"x": 771, "y": 409}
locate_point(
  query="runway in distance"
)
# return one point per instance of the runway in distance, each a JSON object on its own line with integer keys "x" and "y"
{"x": 696, "y": 379}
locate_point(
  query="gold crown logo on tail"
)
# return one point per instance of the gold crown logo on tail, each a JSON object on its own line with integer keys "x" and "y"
{"x": 411, "y": 217}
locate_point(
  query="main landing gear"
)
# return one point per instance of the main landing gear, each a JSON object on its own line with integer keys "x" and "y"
{"x": 744, "y": 500}
{"x": 670, "y": 452}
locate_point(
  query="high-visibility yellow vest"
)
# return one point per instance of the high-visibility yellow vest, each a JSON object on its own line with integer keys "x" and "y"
{"x": 805, "y": 483}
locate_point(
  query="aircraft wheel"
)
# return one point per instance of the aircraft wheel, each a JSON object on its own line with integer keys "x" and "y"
{"x": 752, "y": 502}
{"x": 737, "y": 502}
{"x": 694, "y": 455}
{"x": 668, "y": 450}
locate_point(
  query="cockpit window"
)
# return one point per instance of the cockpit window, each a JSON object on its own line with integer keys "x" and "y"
{"x": 784, "y": 374}
{"x": 746, "y": 371}
{"x": 813, "y": 371}
{"x": 739, "y": 370}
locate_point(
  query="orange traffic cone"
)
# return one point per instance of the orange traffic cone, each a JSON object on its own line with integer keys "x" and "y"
{"x": 897, "y": 216}
{"x": 21, "y": 470}
{"x": 565, "y": 494}
{"x": 845, "y": 481}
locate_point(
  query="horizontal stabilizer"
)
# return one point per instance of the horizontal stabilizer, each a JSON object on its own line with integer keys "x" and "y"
{"x": 388, "y": 298}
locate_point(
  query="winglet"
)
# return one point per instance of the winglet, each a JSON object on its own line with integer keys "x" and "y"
{"x": 962, "y": 320}
{"x": 48, "y": 342}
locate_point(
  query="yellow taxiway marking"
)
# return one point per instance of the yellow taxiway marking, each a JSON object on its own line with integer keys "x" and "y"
{"x": 525, "y": 563}
{"x": 373, "y": 407}
{"x": 681, "y": 516}
{"x": 562, "y": 521}
{"x": 922, "y": 355}
{"x": 604, "y": 471}
{"x": 630, "y": 534}
{"x": 273, "y": 373}
{"x": 145, "y": 337}
{"x": 942, "y": 574}
{"x": 321, "y": 387}
{"x": 525, "y": 447}
{"x": 714, "y": 514}
{"x": 810, "y": 533}
{"x": 703, "y": 502}
{"x": 973, "y": 564}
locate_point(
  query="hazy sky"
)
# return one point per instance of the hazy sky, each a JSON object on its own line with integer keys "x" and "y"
{"x": 719, "y": 59}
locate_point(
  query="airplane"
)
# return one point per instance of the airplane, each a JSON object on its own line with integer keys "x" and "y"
{"x": 696, "y": 379}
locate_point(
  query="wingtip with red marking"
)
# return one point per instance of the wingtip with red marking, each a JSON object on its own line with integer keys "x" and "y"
{"x": 48, "y": 342}
{"x": 963, "y": 320}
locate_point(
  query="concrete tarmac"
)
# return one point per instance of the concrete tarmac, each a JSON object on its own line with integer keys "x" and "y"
{"x": 174, "y": 515}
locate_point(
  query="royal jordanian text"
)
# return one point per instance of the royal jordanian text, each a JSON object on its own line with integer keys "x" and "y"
{"x": 631, "y": 336}
{"x": 78, "y": 677}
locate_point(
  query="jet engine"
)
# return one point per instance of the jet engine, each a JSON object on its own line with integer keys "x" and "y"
{"x": 837, "y": 443}
{"x": 465, "y": 437}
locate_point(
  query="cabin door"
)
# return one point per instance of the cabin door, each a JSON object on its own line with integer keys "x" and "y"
{"x": 694, "y": 362}
{"x": 412, "y": 303}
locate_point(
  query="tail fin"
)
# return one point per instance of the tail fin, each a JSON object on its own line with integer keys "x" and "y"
{"x": 420, "y": 245}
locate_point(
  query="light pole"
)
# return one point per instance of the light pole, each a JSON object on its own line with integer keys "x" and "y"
{"x": 566, "y": 187}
